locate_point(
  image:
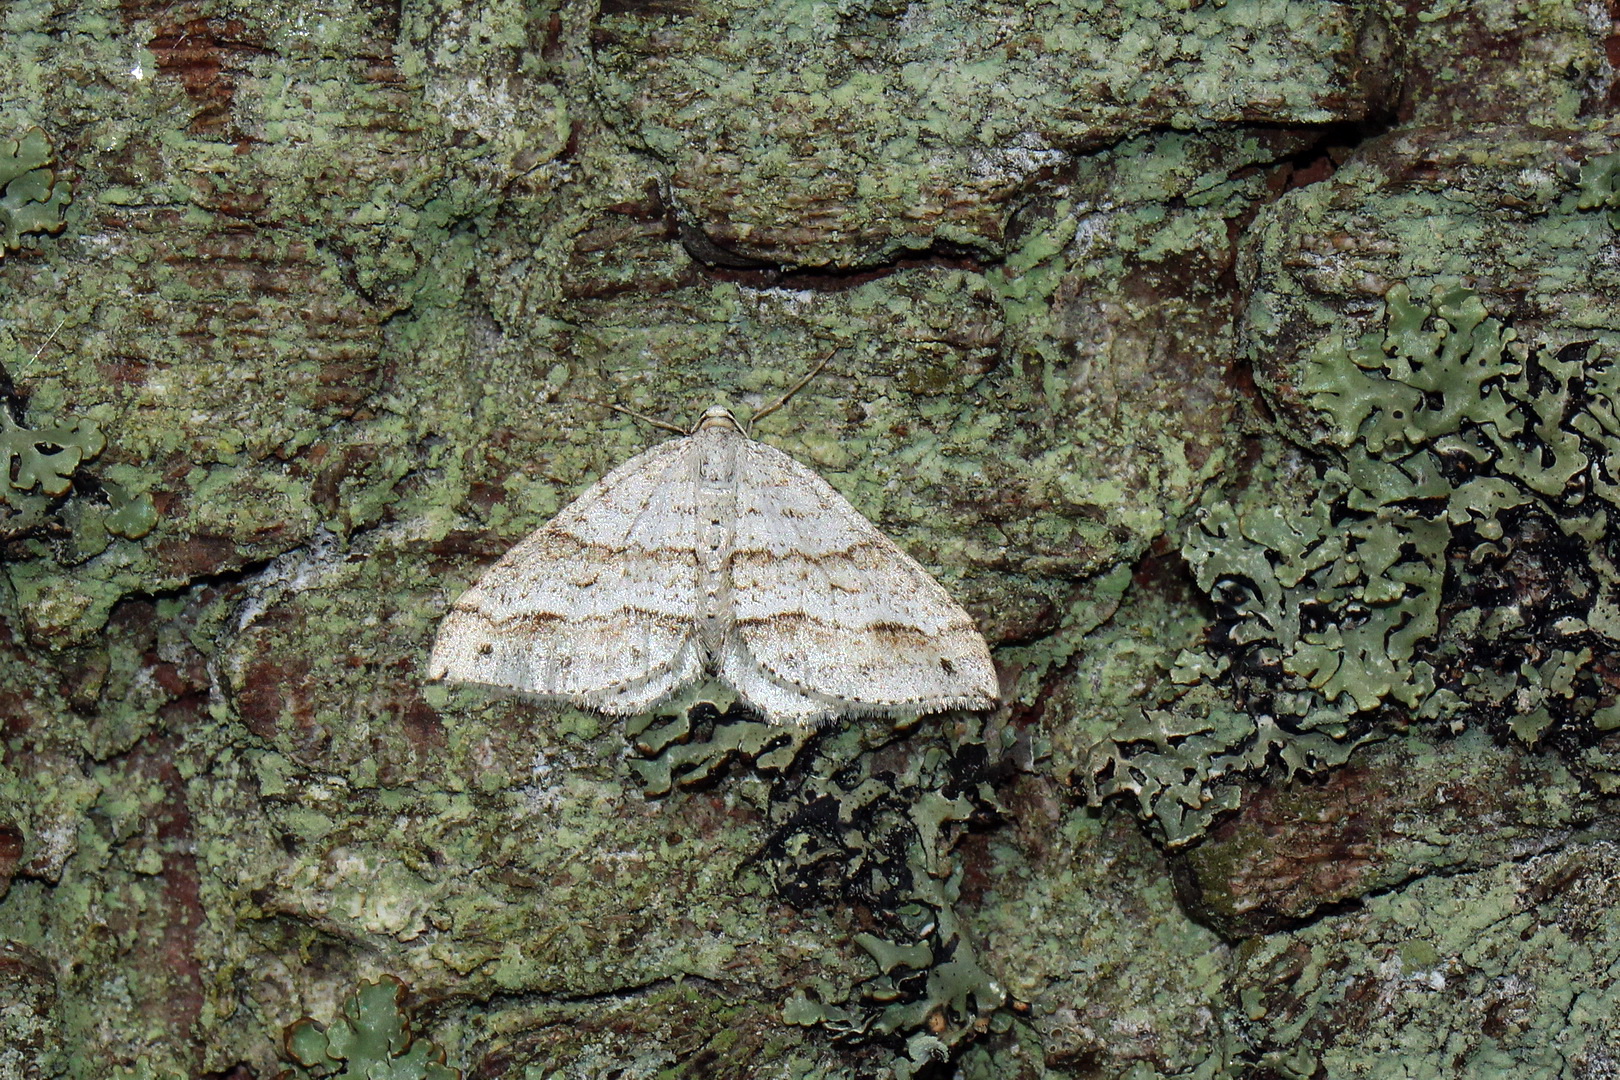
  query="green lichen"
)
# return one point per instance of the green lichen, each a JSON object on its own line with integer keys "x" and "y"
{"x": 371, "y": 1038}
{"x": 130, "y": 514}
{"x": 851, "y": 830}
{"x": 1436, "y": 368}
{"x": 33, "y": 198}
{"x": 1600, "y": 187}
{"x": 27, "y": 456}
{"x": 41, "y": 464}
{"x": 1504, "y": 971}
{"x": 143, "y": 1069}
{"x": 1467, "y": 483}
{"x": 670, "y": 754}
{"x": 932, "y": 993}
{"x": 287, "y": 330}
{"x": 873, "y": 84}
{"x": 860, "y": 816}
{"x": 1476, "y": 486}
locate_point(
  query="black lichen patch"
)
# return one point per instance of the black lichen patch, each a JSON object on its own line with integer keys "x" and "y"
{"x": 865, "y": 821}
{"x": 877, "y": 830}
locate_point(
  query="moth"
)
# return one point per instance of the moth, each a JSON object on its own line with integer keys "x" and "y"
{"x": 713, "y": 555}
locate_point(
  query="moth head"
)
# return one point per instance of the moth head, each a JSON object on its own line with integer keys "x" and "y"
{"x": 717, "y": 416}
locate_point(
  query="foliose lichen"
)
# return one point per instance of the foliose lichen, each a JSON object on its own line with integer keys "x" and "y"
{"x": 1600, "y": 187}
{"x": 29, "y": 462}
{"x": 1444, "y": 555}
{"x": 372, "y": 1038}
{"x": 858, "y": 830}
{"x": 1503, "y": 971}
{"x": 40, "y": 464}
{"x": 32, "y": 198}
{"x": 130, "y": 514}
{"x": 143, "y": 1069}
{"x": 861, "y": 817}
{"x": 695, "y": 745}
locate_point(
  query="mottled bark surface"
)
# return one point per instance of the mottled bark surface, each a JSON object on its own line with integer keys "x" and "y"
{"x": 1113, "y": 298}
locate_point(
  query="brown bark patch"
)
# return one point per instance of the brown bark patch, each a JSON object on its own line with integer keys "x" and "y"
{"x": 206, "y": 55}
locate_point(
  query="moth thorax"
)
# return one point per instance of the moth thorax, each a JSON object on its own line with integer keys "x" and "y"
{"x": 717, "y": 461}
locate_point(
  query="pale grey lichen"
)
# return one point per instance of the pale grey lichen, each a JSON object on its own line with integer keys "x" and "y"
{"x": 1445, "y": 557}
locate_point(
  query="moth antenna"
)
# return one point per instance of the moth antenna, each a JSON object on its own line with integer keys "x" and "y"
{"x": 794, "y": 389}
{"x": 643, "y": 417}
